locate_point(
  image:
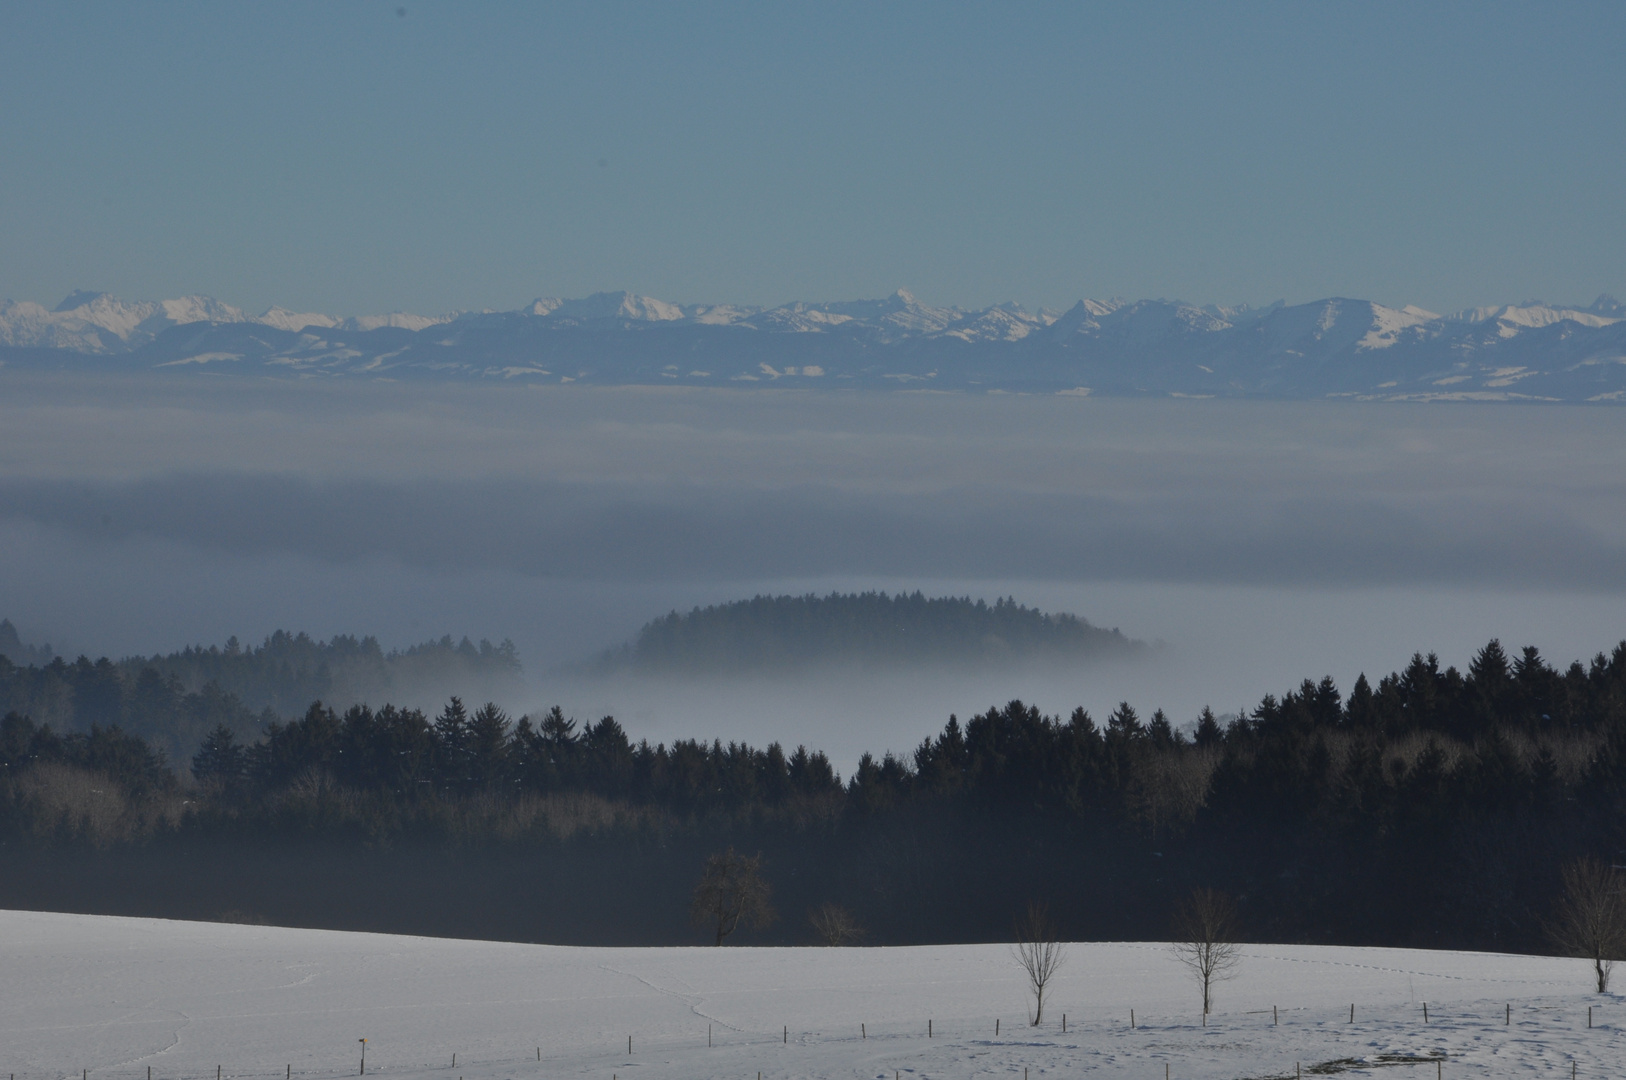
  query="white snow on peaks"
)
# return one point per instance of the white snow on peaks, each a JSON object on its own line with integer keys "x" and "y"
{"x": 797, "y": 319}
{"x": 28, "y": 323}
{"x": 399, "y": 319}
{"x": 193, "y": 309}
{"x": 610, "y": 305}
{"x": 1512, "y": 318}
{"x": 283, "y": 319}
{"x": 98, "y": 323}
{"x": 897, "y": 315}
{"x": 1085, "y": 316}
{"x": 1005, "y": 322}
{"x": 1388, "y": 324}
{"x": 1142, "y": 321}
{"x": 717, "y": 314}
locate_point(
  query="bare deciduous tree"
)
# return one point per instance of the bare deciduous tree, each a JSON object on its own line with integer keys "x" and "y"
{"x": 731, "y": 892}
{"x": 1590, "y": 921}
{"x": 834, "y": 924}
{"x": 1038, "y": 951}
{"x": 1205, "y": 931}
{"x": 1167, "y": 788}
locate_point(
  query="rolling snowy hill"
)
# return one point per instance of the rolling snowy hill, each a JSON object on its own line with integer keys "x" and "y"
{"x": 114, "y": 997}
{"x": 1338, "y": 348}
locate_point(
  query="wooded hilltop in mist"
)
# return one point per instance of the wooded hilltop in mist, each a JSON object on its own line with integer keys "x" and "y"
{"x": 777, "y": 634}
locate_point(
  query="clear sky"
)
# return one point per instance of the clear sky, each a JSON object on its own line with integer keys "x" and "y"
{"x": 367, "y": 156}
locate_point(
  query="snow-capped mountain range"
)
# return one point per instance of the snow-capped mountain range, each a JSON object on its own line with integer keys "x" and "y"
{"x": 1336, "y": 347}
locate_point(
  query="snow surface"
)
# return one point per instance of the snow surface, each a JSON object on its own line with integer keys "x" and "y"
{"x": 113, "y": 996}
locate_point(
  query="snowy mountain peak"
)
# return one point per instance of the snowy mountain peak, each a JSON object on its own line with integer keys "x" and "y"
{"x": 295, "y": 321}
{"x": 399, "y": 320}
{"x": 616, "y": 305}
{"x": 81, "y": 298}
{"x": 191, "y": 309}
{"x": 1511, "y": 318}
{"x": 1607, "y": 305}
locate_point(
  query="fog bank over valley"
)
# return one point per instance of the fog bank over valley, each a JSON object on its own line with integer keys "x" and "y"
{"x": 1259, "y": 543}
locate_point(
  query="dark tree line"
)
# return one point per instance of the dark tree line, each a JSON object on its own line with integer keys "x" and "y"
{"x": 127, "y": 760}
{"x": 401, "y": 753}
{"x": 1433, "y": 808}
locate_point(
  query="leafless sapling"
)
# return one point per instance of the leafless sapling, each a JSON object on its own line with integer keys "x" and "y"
{"x": 1205, "y": 932}
{"x": 731, "y": 892}
{"x": 834, "y": 924}
{"x": 1590, "y": 921}
{"x": 1038, "y": 951}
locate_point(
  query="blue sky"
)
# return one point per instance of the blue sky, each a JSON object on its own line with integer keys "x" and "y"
{"x": 348, "y": 158}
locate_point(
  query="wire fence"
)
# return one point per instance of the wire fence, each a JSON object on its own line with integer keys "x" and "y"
{"x": 1607, "y": 1018}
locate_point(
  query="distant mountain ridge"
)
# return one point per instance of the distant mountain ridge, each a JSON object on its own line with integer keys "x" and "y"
{"x": 1337, "y": 347}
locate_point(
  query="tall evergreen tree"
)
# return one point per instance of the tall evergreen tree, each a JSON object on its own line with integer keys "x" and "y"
{"x": 452, "y": 744}
{"x": 219, "y": 760}
{"x": 486, "y": 740}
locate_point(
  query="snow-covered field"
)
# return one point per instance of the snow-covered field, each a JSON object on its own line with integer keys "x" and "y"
{"x": 112, "y": 997}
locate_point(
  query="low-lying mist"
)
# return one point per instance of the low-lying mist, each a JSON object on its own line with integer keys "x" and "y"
{"x": 1261, "y": 543}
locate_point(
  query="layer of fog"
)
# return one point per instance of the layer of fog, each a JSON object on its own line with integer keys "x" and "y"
{"x": 1264, "y": 543}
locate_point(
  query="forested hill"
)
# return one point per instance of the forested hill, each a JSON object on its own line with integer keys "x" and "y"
{"x": 173, "y": 699}
{"x": 288, "y": 671}
{"x": 872, "y": 629}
